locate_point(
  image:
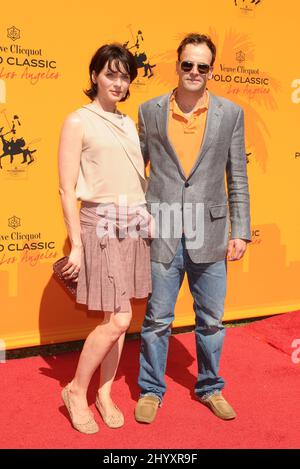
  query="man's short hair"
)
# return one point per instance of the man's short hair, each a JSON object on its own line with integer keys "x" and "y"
{"x": 195, "y": 38}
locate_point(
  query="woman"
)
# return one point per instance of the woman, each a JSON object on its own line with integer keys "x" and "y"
{"x": 100, "y": 163}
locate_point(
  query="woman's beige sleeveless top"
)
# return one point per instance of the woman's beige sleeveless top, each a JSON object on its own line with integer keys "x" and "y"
{"x": 112, "y": 165}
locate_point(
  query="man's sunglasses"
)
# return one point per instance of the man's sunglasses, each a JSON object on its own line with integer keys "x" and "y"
{"x": 187, "y": 66}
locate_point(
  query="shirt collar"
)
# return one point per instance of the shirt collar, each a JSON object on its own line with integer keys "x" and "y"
{"x": 174, "y": 108}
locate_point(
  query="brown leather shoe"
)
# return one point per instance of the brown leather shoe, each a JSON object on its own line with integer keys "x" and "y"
{"x": 146, "y": 409}
{"x": 219, "y": 406}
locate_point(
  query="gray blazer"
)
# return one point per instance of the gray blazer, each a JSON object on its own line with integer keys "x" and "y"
{"x": 201, "y": 205}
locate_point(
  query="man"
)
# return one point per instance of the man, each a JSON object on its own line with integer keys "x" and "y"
{"x": 192, "y": 139}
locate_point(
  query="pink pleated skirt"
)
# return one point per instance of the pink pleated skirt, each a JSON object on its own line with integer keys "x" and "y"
{"x": 115, "y": 265}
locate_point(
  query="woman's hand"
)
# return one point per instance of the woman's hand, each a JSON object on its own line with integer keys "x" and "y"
{"x": 147, "y": 223}
{"x": 71, "y": 270}
{"x": 152, "y": 227}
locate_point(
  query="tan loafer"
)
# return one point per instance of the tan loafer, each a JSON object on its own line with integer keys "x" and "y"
{"x": 146, "y": 409}
{"x": 112, "y": 421}
{"x": 219, "y": 406}
{"x": 88, "y": 427}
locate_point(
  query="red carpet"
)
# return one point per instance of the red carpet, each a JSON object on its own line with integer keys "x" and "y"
{"x": 278, "y": 331}
{"x": 262, "y": 384}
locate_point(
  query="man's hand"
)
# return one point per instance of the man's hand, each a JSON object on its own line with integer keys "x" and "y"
{"x": 236, "y": 249}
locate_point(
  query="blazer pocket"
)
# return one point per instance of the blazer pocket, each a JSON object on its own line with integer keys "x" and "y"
{"x": 218, "y": 211}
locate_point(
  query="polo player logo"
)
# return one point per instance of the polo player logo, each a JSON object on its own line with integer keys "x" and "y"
{"x": 246, "y": 4}
{"x": 12, "y": 146}
{"x": 139, "y": 53}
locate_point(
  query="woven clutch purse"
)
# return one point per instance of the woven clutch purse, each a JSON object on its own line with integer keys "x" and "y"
{"x": 69, "y": 285}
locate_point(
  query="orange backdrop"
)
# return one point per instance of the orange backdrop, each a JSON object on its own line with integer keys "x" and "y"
{"x": 44, "y": 58}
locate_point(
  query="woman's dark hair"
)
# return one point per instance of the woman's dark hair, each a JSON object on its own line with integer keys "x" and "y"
{"x": 196, "y": 39}
{"x": 111, "y": 53}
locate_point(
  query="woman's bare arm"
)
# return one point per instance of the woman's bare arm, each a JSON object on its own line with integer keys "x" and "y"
{"x": 70, "y": 147}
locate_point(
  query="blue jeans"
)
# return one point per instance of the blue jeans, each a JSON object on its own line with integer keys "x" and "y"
{"x": 207, "y": 283}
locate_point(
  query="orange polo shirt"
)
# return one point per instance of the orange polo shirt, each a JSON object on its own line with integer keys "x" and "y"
{"x": 186, "y": 132}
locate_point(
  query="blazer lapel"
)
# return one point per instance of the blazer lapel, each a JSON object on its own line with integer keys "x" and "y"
{"x": 162, "y": 122}
{"x": 214, "y": 117}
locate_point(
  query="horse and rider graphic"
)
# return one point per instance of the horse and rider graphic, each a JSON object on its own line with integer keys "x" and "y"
{"x": 140, "y": 55}
{"x": 14, "y": 146}
{"x": 249, "y": 2}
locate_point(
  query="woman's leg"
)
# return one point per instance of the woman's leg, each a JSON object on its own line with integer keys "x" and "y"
{"x": 108, "y": 370}
{"x": 97, "y": 345}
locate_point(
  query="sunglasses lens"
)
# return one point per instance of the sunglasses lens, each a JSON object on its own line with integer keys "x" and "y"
{"x": 203, "y": 68}
{"x": 186, "y": 66}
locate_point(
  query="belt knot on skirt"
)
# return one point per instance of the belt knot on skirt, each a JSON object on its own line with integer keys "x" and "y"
{"x": 115, "y": 263}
